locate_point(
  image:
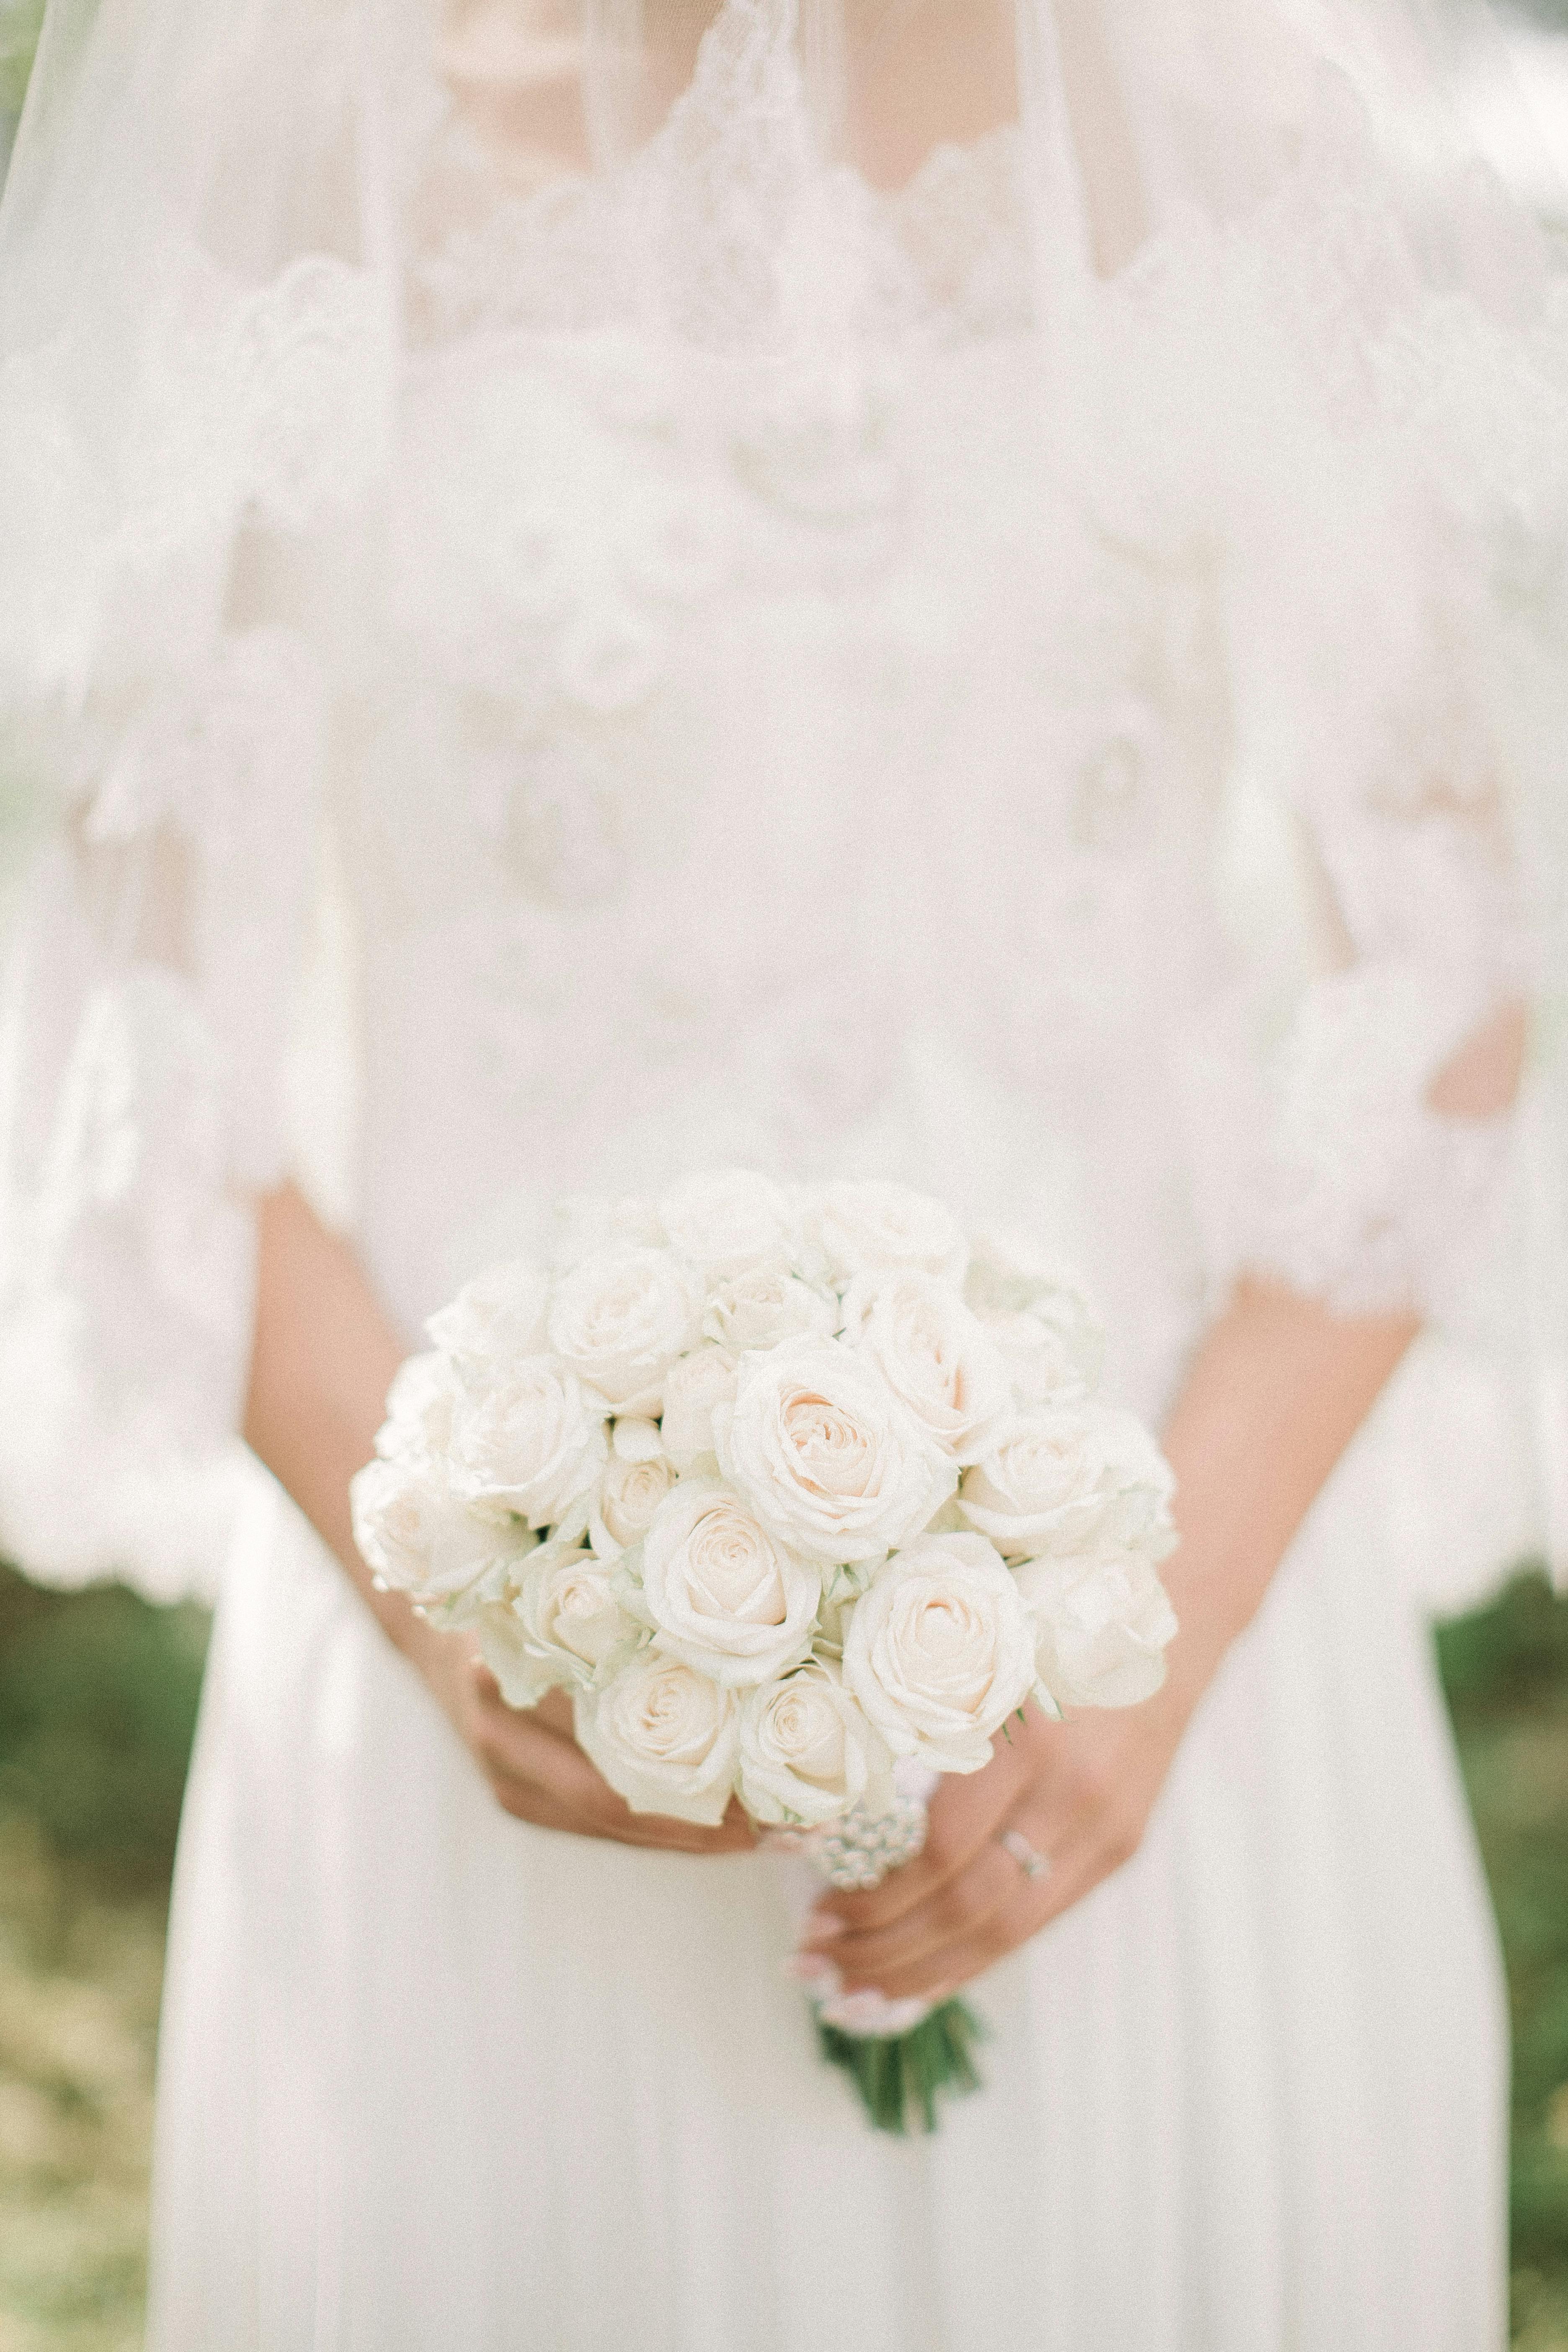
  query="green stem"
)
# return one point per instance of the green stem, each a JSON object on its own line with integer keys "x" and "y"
{"x": 900, "y": 2079}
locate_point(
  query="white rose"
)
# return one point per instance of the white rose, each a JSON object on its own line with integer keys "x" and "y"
{"x": 940, "y": 1651}
{"x": 533, "y": 1443}
{"x": 495, "y": 1320}
{"x": 637, "y": 1477}
{"x": 693, "y": 1390}
{"x": 726, "y": 1595}
{"x": 588, "y": 1224}
{"x": 503, "y": 1647}
{"x": 563, "y": 1627}
{"x": 728, "y": 1221}
{"x": 620, "y": 1319}
{"x": 1070, "y": 1481}
{"x": 1101, "y": 1628}
{"x": 934, "y": 1356}
{"x": 416, "y": 1537}
{"x": 420, "y": 1406}
{"x": 826, "y": 1455}
{"x": 1042, "y": 1319}
{"x": 666, "y": 1739}
{"x": 748, "y": 1312}
{"x": 807, "y": 1753}
{"x": 879, "y": 1228}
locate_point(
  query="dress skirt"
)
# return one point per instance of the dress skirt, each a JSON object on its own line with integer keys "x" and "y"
{"x": 434, "y": 2081}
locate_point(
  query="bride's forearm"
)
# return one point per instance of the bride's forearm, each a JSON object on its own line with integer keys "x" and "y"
{"x": 1277, "y": 1390}
{"x": 322, "y": 1360}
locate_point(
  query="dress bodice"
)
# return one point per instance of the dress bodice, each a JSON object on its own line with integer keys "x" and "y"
{"x": 777, "y": 765}
{"x": 790, "y": 678}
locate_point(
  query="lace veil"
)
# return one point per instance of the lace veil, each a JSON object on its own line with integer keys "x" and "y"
{"x": 1293, "y": 338}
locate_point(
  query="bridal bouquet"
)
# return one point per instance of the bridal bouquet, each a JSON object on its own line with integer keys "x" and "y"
{"x": 794, "y": 1489}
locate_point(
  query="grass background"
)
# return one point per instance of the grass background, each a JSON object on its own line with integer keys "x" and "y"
{"x": 98, "y": 1702}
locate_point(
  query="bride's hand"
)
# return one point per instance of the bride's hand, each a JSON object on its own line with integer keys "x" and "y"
{"x": 1273, "y": 1397}
{"x": 534, "y": 1766}
{"x": 1058, "y": 1808}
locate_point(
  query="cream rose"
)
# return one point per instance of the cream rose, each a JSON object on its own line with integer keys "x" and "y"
{"x": 728, "y": 1221}
{"x": 694, "y": 1389}
{"x": 748, "y": 1312}
{"x": 1101, "y": 1628}
{"x": 419, "y": 1407}
{"x": 807, "y": 1753}
{"x": 877, "y": 1228}
{"x": 496, "y": 1320}
{"x": 725, "y": 1594}
{"x": 826, "y": 1455}
{"x": 416, "y": 1537}
{"x": 1040, "y": 1317}
{"x": 935, "y": 1357}
{"x": 1071, "y": 1482}
{"x": 637, "y": 1477}
{"x": 533, "y": 1443}
{"x": 940, "y": 1651}
{"x": 565, "y": 1627}
{"x": 620, "y": 1319}
{"x": 588, "y": 1224}
{"x": 666, "y": 1739}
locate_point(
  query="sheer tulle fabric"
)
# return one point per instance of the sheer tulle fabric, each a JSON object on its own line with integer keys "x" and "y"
{"x": 1284, "y": 354}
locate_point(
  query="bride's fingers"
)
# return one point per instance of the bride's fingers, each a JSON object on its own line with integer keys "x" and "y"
{"x": 988, "y": 1882}
{"x": 963, "y": 1817}
{"x": 987, "y": 1935}
{"x": 556, "y": 1712}
{"x": 949, "y": 1912}
{"x": 532, "y": 1761}
{"x": 528, "y": 1800}
{"x": 735, "y": 1834}
{"x": 525, "y": 1753}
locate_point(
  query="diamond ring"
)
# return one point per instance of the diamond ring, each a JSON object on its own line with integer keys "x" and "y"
{"x": 1030, "y": 1861}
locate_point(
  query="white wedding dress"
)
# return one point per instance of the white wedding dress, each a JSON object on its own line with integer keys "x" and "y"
{"x": 827, "y": 768}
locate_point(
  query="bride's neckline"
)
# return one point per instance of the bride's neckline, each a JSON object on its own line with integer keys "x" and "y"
{"x": 570, "y": 246}
{"x": 949, "y": 86}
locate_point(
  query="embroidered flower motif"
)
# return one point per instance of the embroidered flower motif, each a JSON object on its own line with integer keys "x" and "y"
{"x": 308, "y": 370}
{"x": 530, "y": 564}
{"x": 560, "y": 823}
{"x": 815, "y": 440}
{"x": 674, "y": 541}
{"x": 1105, "y": 802}
{"x": 610, "y": 661}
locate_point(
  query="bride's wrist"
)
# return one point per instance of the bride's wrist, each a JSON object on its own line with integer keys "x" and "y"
{"x": 1216, "y": 1586}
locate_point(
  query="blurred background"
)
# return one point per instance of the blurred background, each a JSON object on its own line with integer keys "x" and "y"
{"x": 98, "y": 1704}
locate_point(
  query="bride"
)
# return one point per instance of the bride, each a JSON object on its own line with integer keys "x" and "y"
{"x": 968, "y": 590}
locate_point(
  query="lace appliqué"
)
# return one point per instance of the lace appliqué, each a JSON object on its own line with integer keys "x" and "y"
{"x": 229, "y": 761}
{"x": 1325, "y": 1167}
{"x": 276, "y": 401}
{"x": 125, "y": 1307}
{"x": 149, "y": 1002}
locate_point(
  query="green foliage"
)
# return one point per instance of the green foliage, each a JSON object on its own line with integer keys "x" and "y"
{"x": 21, "y": 21}
{"x": 1506, "y": 1671}
{"x": 1510, "y": 1653}
{"x": 901, "y": 2081}
{"x": 98, "y": 1704}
